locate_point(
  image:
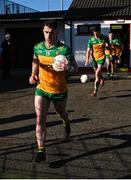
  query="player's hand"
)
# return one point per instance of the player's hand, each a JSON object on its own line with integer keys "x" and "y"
{"x": 33, "y": 79}
{"x": 110, "y": 57}
{"x": 60, "y": 66}
{"x": 67, "y": 66}
{"x": 87, "y": 62}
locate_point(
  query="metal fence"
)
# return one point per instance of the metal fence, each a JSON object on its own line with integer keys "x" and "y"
{"x": 9, "y": 7}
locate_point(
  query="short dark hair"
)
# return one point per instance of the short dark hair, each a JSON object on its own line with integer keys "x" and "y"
{"x": 50, "y": 24}
{"x": 96, "y": 29}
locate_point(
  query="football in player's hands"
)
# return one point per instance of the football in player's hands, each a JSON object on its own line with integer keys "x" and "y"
{"x": 60, "y": 63}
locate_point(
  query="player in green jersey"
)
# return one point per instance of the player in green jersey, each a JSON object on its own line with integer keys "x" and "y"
{"x": 52, "y": 86}
{"x": 96, "y": 49}
{"x": 116, "y": 51}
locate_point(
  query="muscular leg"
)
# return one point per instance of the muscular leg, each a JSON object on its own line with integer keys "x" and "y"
{"x": 60, "y": 108}
{"x": 97, "y": 79}
{"x": 61, "y": 111}
{"x": 112, "y": 68}
{"x": 41, "y": 108}
{"x": 108, "y": 67}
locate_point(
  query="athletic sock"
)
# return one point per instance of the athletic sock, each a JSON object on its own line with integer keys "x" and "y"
{"x": 41, "y": 149}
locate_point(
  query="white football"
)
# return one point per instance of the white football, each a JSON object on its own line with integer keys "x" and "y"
{"x": 84, "y": 78}
{"x": 60, "y": 63}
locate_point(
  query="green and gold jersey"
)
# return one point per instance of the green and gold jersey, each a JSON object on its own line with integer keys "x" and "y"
{"x": 115, "y": 46}
{"x": 98, "y": 47}
{"x": 49, "y": 80}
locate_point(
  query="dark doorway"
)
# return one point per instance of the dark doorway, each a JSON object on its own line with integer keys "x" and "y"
{"x": 24, "y": 40}
{"x": 123, "y": 31}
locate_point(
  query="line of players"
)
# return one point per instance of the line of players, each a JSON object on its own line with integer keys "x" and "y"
{"x": 101, "y": 49}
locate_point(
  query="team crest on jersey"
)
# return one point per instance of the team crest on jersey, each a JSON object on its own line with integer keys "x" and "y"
{"x": 48, "y": 52}
{"x": 57, "y": 52}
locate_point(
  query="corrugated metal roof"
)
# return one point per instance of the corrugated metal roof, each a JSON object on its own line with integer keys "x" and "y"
{"x": 37, "y": 16}
{"x": 79, "y": 9}
{"x": 99, "y": 9}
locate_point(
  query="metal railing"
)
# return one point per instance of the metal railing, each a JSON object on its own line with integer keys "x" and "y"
{"x": 9, "y": 7}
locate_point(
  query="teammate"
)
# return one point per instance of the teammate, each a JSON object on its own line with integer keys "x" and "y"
{"x": 96, "y": 48}
{"x": 116, "y": 51}
{"x": 108, "y": 62}
{"x": 52, "y": 86}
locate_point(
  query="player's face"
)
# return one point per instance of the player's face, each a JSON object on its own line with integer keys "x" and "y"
{"x": 110, "y": 36}
{"x": 49, "y": 34}
{"x": 7, "y": 37}
{"x": 96, "y": 33}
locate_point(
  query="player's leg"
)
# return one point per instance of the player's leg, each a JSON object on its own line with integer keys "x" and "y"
{"x": 94, "y": 63}
{"x": 112, "y": 67}
{"x": 60, "y": 107}
{"x": 97, "y": 79}
{"x": 41, "y": 108}
{"x": 108, "y": 66}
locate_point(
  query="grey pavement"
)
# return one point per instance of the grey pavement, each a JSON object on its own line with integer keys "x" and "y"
{"x": 100, "y": 143}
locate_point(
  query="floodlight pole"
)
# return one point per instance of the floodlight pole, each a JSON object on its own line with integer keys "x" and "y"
{"x": 61, "y": 4}
{"x": 4, "y": 7}
{"x": 48, "y": 5}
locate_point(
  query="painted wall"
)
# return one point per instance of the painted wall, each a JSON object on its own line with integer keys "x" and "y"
{"x": 130, "y": 45}
{"x": 79, "y": 42}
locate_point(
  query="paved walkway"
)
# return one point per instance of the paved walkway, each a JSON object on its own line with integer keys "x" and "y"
{"x": 100, "y": 145}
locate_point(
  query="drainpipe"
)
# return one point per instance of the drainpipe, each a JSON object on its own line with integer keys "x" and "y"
{"x": 48, "y": 5}
{"x": 4, "y": 7}
{"x": 71, "y": 44}
{"x": 70, "y": 35}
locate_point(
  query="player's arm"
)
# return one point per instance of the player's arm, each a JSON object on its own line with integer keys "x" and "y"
{"x": 121, "y": 49}
{"x": 119, "y": 46}
{"x": 89, "y": 52}
{"x": 88, "y": 55}
{"x": 35, "y": 69}
{"x": 108, "y": 46}
{"x": 72, "y": 64}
